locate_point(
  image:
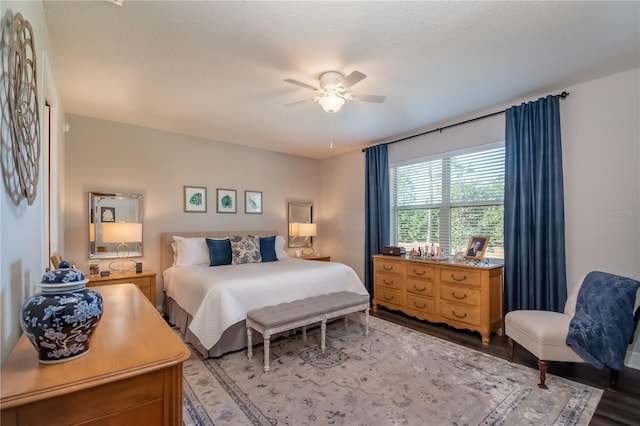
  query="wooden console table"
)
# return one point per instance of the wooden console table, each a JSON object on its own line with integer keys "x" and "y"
{"x": 132, "y": 373}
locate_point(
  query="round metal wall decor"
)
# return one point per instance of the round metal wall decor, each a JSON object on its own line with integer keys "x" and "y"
{"x": 23, "y": 106}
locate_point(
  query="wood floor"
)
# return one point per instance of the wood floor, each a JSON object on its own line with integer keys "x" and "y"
{"x": 620, "y": 407}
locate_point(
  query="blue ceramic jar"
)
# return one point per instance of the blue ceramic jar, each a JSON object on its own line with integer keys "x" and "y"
{"x": 60, "y": 320}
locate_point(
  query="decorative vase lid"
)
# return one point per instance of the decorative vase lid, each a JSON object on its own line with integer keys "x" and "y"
{"x": 63, "y": 279}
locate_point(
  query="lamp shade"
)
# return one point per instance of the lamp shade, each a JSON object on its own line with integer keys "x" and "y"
{"x": 121, "y": 232}
{"x": 331, "y": 102}
{"x": 308, "y": 230}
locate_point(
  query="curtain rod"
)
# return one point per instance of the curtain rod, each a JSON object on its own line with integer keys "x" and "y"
{"x": 562, "y": 95}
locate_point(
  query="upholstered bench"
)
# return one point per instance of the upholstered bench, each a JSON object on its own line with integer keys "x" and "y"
{"x": 273, "y": 319}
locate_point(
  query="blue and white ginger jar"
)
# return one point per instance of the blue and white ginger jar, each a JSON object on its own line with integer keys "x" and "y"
{"x": 60, "y": 320}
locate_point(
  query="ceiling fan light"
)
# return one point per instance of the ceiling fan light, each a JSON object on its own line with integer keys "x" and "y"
{"x": 331, "y": 102}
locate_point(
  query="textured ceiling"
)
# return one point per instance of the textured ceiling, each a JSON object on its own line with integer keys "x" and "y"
{"x": 215, "y": 69}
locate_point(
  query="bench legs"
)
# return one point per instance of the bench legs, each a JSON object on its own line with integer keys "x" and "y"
{"x": 267, "y": 343}
{"x": 366, "y": 322}
{"x": 323, "y": 337}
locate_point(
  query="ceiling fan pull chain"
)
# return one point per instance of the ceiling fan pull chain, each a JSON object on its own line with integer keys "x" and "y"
{"x": 331, "y": 130}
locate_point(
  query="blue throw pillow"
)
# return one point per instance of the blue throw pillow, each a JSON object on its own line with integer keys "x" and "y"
{"x": 219, "y": 252}
{"x": 268, "y": 249}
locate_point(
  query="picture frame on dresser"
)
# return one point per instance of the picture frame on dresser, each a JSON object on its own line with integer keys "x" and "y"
{"x": 195, "y": 199}
{"x": 476, "y": 247}
{"x": 227, "y": 201}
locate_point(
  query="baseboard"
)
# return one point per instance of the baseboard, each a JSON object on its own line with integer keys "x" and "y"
{"x": 632, "y": 360}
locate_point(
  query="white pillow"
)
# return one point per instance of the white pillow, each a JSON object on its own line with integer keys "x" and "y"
{"x": 174, "y": 248}
{"x": 191, "y": 251}
{"x": 281, "y": 252}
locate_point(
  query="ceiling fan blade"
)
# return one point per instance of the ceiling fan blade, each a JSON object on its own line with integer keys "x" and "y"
{"x": 367, "y": 98}
{"x": 351, "y": 79}
{"x": 302, "y": 101}
{"x": 301, "y": 84}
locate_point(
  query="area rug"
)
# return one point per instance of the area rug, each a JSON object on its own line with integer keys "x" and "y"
{"x": 396, "y": 376}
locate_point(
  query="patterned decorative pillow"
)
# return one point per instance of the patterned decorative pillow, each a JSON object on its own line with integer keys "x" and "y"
{"x": 245, "y": 249}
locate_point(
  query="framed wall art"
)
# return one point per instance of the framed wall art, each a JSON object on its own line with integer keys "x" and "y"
{"x": 253, "y": 202}
{"x": 226, "y": 201}
{"x": 476, "y": 248}
{"x": 107, "y": 214}
{"x": 195, "y": 199}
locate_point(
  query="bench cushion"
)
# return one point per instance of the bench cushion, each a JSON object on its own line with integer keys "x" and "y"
{"x": 275, "y": 315}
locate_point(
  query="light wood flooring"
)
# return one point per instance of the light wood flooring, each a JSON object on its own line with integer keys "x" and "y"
{"x": 620, "y": 407}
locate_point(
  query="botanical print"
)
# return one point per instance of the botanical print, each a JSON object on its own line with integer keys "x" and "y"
{"x": 195, "y": 199}
{"x": 226, "y": 201}
{"x": 253, "y": 202}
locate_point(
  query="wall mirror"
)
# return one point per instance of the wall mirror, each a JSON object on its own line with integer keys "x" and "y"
{"x": 298, "y": 213}
{"x": 115, "y": 221}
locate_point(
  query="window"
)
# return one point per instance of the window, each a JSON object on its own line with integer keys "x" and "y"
{"x": 448, "y": 199}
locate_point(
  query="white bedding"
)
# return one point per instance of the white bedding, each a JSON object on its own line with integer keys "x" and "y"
{"x": 220, "y": 296}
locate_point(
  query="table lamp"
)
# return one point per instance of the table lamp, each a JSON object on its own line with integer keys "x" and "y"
{"x": 122, "y": 233}
{"x": 307, "y": 230}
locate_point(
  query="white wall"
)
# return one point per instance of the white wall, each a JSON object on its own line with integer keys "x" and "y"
{"x": 114, "y": 157}
{"x": 22, "y": 246}
{"x": 601, "y": 156}
{"x": 341, "y": 218}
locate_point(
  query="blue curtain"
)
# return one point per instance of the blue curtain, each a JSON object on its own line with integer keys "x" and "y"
{"x": 535, "y": 271}
{"x": 377, "y": 222}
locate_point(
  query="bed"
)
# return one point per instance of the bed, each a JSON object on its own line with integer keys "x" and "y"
{"x": 209, "y": 303}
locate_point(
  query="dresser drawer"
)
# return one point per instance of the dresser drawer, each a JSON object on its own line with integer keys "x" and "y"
{"x": 389, "y": 266}
{"x": 459, "y": 294}
{"x": 421, "y": 287}
{"x": 421, "y": 304}
{"x": 462, "y": 313}
{"x": 142, "y": 282}
{"x": 460, "y": 276}
{"x": 390, "y": 296}
{"x": 393, "y": 281}
{"x": 420, "y": 271}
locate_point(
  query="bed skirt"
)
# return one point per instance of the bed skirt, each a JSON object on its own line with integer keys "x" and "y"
{"x": 233, "y": 339}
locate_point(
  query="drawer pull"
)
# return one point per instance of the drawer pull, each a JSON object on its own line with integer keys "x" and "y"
{"x": 464, "y": 296}
{"x": 458, "y": 316}
{"x": 387, "y": 298}
{"x": 418, "y": 306}
{"x": 387, "y": 282}
{"x": 464, "y": 277}
{"x": 419, "y": 289}
{"x": 387, "y": 268}
{"x": 419, "y": 273}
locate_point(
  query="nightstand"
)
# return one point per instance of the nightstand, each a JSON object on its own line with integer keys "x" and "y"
{"x": 146, "y": 280}
{"x": 317, "y": 257}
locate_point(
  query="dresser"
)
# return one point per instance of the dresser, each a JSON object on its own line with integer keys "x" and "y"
{"x": 146, "y": 280}
{"x": 463, "y": 296}
{"x": 131, "y": 375}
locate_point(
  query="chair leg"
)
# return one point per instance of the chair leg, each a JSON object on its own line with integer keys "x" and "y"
{"x": 614, "y": 378}
{"x": 542, "y": 366}
{"x": 512, "y": 349}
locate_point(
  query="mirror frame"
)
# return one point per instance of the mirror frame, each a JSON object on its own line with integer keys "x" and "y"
{"x": 294, "y": 241}
{"x": 95, "y": 198}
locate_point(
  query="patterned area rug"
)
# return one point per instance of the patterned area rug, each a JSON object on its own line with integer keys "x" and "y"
{"x": 396, "y": 376}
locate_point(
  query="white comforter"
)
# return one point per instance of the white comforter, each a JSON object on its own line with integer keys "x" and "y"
{"x": 220, "y": 296}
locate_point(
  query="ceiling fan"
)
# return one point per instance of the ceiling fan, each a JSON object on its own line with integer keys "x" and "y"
{"x": 333, "y": 90}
